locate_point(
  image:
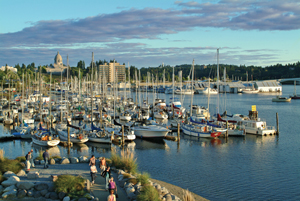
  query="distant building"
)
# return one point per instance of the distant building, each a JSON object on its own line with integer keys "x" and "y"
{"x": 58, "y": 67}
{"x": 107, "y": 70}
{"x": 268, "y": 86}
{"x": 9, "y": 68}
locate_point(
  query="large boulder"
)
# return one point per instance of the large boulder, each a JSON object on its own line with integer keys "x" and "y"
{"x": 10, "y": 188}
{"x": 33, "y": 175}
{"x": 51, "y": 187}
{"x": 61, "y": 195}
{"x": 21, "y": 193}
{"x": 10, "y": 181}
{"x": 36, "y": 162}
{"x": 44, "y": 192}
{"x": 30, "y": 193}
{"x": 74, "y": 160}
{"x": 47, "y": 195}
{"x": 53, "y": 196}
{"x": 25, "y": 185}
{"x": 131, "y": 196}
{"x": 83, "y": 159}
{"x": 37, "y": 194}
{"x": 41, "y": 186}
{"x": 22, "y": 173}
{"x": 9, "y": 174}
{"x": 10, "y": 194}
{"x": 67, "y": 198}
{"x": 65, "y": 161}
{"x": 88, "y": 196}
{"x": 1, "y": 189}
{"x": 82, "y": 199}
{"x": 129, "y": 190}
{"x": 52, "y": 161}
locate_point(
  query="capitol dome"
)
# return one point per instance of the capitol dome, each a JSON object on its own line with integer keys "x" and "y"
{"x": 58, "y": 59}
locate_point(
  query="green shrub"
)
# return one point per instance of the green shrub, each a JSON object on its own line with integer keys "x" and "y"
{"x": 187, "y": 196}
{"x": 108, "y": 161}
{"x": 1, "y": 154}
{"x": 143, "y": 178}
{"x": 133, "y": 180}
{"x": 40, "y": 156}
{"x": 115, "y": 160}
{"x": 1, "y": 178}
{"x": 56, "y": 156}
{"x": 69, "y": 184}
{"x": 128, "y": 161}
{"x": 21, "y": 158}
{"x": 126, "y": 175}
{"x": 148, "y": 193}
{"x": 10, "y": 165}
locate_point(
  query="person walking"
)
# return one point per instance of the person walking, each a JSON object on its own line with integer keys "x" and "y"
{"x": 92, "y": 160}
{"x": 112, "y": 185}
{"x": 111, "y": 196}
{"x": 103, "y": 165}
{"x": 27, "y": 157}
{"x": 31, "y": 159}
{"x": 46, "y": 158}
{"x": 93, "y": 169}
{"x": 106, "y": 175}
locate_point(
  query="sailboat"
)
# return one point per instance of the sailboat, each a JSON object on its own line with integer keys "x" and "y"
{"x": 295, "y": 95}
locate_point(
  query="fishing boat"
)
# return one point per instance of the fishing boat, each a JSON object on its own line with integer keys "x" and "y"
{"x": 281, "y": 99}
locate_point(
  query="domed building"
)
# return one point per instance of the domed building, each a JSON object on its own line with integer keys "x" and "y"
{"x": 57, "y": 66}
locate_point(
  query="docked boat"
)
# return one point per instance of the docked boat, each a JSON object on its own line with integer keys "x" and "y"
{"x": 281, "y": 99}
{"x": 250, "y": 91}
{"x": 126, "y": 116}
{"x": 142, "y": 130}
{"x": 76, "y": 134}
{"x": 44, "y": 137}
{"x": 200, "y": 130}
{"x": 98, "y": 135}
{"x": 208, "y": 90}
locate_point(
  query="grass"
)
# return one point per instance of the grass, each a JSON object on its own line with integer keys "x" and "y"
{"x": 187, "y": 196}
{"x": 71, "y": 185}
{"x": 126, "y": 161}
{"x": 40, "y": 156}
{"x": 21, "y": 158}
{"x": 10, "y": 165}
{"x": 148, "y": 193}
{"x": 1, "y": 154}
{"x": 143, "y": 178}
{"x": 55, "y": 156}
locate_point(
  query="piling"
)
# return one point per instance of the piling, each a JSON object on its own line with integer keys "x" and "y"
{"x": 178, "y": 132}
{"x": 68, "y": 136}
{"x": 47, "y": 125}
{"x": 173, "y": 110}
{"x": 123, "y": 135}
{"x": 226, "y": 135}
{"x": 277, "y": 123}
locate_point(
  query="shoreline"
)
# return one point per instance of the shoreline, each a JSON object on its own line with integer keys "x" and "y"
{"x": 176, "y": 190}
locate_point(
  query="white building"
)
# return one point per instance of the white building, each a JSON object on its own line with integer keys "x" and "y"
{"x": 268, "y": 86}
{"x": 9, "y": 68}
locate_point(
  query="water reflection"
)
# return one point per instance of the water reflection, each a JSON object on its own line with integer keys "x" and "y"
{"x": 147, "y": 144}
{"x": 53, "y": 151}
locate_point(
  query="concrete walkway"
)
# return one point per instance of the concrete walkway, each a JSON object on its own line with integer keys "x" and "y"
{"x": 83, "y": 169}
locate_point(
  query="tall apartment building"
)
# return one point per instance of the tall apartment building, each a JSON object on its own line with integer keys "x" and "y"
{"x": 107, "y": 70}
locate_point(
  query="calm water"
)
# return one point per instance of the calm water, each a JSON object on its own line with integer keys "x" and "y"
{"x": 250, "y": 168}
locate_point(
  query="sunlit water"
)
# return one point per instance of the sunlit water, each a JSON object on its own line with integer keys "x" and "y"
{"x": 250, "y": 168}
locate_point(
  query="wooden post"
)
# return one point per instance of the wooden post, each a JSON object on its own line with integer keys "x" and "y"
{"x": 173, "y": 111}
{"x": 123, "y": 140}
{"x": 277, "y": 123}
{"x": 226, "y": 128}
{"x": 178, "y": 131}
{"x": 51, "y": 120}
{"x": 47, "y": 125}
{"x": 68, "y": 136}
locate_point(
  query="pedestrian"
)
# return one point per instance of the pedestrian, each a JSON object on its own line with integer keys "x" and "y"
{"x": 111, "y": 196}
{"x": 93, "y": 169}
{"x": 27, "y": 157}
{"x": 31, "y": 159}
{"x": 92, "y": 160}
{"x": 103, "y": 164}
{"x": 106, "y": 175}
{"x": 112, "y": 185}
{"x": 46, "y": 158}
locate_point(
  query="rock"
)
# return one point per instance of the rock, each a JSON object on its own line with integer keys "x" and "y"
{"x": 74, "y": 160}
{"x": 121, "y": 172}
{"x": 8, "y": 174}
{"x": 83, "y": 159}
{"x": 130, "y": 190}
{"x": 10, "y": 181}
{"x": 164, "y": 190}
{"x": 47, "y": 195}
{"x": 42, "y": 162}
{"x": 168, "y": 197}
{"x": 21, "y": 173}
{"x": 67, "y": 198}
{"x": 51, "y": 187}
{"x": 54, "y": 177}
{"x": 82, "y": 199}
{"x": 33, "y": 175}
{"x": 53, "y": 196}
{"x": 95, "y": 199}
{"x": 25, "y": 185}
{"x": 65, "y": 161}
{"x": 10, "y": 188}
{"x": 52, "y": 161}
{"x": 138, "y": 189}
{"x": 10, "y": 194}
{"x": 21, "y": 193}
{"x": 37, "y": 194}
{"x": 122, "y": 182}
{"x": 57, "y": 160}
{"x": 131, "y": 196}
{"x": 41, "y": 186}
{"x": 1, "y": 189}
{"x": 36, "y": 162}
{"x": 30, "y": 193}
{"x": 61, "y": 195}
{"x": 120, "y": 177}
{"x": 44, "y": 192}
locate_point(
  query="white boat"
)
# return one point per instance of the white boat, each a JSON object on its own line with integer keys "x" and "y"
{"x": 98, "y": 135}
{"x": 160, "y": 115}
{"x": 184, "y": 91}
{"x": 126, "y": 116}
{"x": 44, "y": 137}
{"x": 150, "y": 131}
{"x": 116, "y": 128}
{"x": 250, "y": 91}
{"x": 199, "y": 130}
{"x": 76, "y": 134}
{"x": 281, "y": 99}
{"x": 208, "y": 90}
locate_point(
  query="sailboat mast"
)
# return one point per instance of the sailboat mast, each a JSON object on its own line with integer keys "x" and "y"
{"x": 173, "y": 84}
{"x": 192, "y": 85}
{"x": 114, "y": 90}
{"x": 218, "y": 103}
{"x": 22, "y": 103}
{"x": 92, "y": 86}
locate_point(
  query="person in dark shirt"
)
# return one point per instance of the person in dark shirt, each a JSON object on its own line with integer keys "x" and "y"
{"x": 46, "y": 158}
{"x": 28, "y": 157}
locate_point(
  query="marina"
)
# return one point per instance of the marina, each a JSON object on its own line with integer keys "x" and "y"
{"x": 251, "y": 167}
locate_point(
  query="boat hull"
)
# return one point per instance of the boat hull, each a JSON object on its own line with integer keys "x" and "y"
{"x": 63, "y": 135}
{"x": 150, "y": 132}
{"x": 49, "y": 143}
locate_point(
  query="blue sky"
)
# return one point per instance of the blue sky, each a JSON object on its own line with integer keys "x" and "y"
{"x": 148, "y": 33}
